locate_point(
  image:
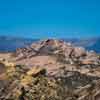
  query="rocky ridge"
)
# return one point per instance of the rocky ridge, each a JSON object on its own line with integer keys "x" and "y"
{"x": 57, "y": 53}
{"x": 55, "y": 47}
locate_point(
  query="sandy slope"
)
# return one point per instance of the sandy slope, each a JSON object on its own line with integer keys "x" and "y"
{"x": 5, "y": 56}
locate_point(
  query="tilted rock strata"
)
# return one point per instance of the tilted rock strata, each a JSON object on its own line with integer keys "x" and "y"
{"x": 53, "y": 47}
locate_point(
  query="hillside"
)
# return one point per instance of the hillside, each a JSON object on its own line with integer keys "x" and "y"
{"x": 50, "y": 70}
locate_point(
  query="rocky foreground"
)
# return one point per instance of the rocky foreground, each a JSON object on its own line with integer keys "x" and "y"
{"x": 50, "y": 70}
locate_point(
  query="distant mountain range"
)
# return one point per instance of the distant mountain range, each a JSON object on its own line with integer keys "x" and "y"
{"x": 89, "y": 44}
{"x": 9, "y": 44}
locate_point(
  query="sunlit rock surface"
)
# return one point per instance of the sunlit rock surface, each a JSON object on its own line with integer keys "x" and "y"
{"x": 50, "y": 70}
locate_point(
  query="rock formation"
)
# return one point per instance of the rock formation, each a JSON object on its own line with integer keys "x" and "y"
{"x": 51, "y": 70}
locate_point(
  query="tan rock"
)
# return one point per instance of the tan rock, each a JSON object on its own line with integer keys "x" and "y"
{"x": 79, "y": 52}
{"x": 86, "y": 62}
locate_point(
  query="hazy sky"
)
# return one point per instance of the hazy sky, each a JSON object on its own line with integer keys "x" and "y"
{"x": 50, "y": 18}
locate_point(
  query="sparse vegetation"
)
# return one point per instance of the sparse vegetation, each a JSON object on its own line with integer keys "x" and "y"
{"x": 33, "y": 84}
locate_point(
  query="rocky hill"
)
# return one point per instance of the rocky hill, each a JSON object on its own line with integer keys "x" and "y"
{"x": 58, "y": 49}
{"x": 50, "y": 70}
{"x": 9, "y": 44}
